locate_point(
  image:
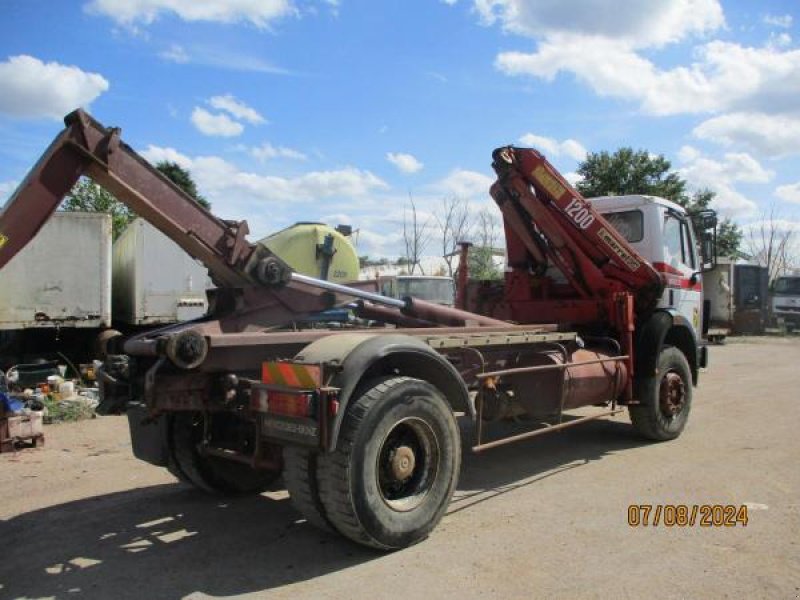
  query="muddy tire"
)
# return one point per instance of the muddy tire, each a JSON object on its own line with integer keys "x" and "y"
{"x": 390, "y": 480}
{"x": 665, "y": 400}
{"x": 210, "y": 473}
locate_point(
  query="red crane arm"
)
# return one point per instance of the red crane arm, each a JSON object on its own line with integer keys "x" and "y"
{"x": 556, "y": 225}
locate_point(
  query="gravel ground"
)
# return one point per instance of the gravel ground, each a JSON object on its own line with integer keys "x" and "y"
{"x": 81, "y": 518}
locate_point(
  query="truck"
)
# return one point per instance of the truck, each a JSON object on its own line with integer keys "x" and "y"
{"x": 785, "y": 301}
{"x": 433, "y": 288}
{"x": 56, "y": 293}
{"x": 362, "y": 423}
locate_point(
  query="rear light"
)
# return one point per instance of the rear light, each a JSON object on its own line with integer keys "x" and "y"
{"x": 290, "y": 404}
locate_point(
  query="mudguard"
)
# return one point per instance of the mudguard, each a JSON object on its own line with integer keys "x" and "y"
{"x": 365, "y": 356}
{"x": 665, "y": 326}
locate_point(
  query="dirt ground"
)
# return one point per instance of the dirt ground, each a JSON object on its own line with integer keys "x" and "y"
{"x": 81, "y": 518}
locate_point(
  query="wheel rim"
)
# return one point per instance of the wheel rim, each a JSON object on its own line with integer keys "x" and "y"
{"x": 672, "y": 394}
{"x": 408, "y": 462}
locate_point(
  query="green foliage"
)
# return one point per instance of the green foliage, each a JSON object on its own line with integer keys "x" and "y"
{"x": 629, "y": 172}
{"x": 183, "y": 179}
{"x": 87, "y": 196}
{"x": 638, "y": 172}
{"x": 482, "y": 265}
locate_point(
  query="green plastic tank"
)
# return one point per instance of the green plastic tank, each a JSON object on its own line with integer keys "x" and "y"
{"x": 316, "y": 250}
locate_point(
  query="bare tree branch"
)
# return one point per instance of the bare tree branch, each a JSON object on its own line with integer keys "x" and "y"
{"x": 770, "y": 243}
{"x": 455, "y": 224}
{"x": 416, "y": 237}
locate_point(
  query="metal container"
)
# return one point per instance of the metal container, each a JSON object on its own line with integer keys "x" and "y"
{"x": 62, "y": 278}
{"x": 155, "y": 281}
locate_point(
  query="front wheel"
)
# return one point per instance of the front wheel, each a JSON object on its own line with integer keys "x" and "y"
{"x": 396, "y": 466}
{"x": 665, "y": 399}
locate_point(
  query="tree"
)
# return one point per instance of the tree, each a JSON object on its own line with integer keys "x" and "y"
{"x": 87, "y": 196}
{"x": 629, "y": 172}
{"x": 638, "y": 172}
{"x": 481, "y": 256}
{"x": 771, "y": 243}
{"x": 455, "y": 224}
{"x": 183, "y": 179}
{"x": 416, "y": 236}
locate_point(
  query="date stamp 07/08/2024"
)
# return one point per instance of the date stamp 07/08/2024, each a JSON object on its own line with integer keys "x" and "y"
{"x": 687, "y": 515}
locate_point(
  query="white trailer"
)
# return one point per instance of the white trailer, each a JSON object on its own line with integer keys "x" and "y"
{"x": 62, "y": 278}
{"x": 155, "y": 281}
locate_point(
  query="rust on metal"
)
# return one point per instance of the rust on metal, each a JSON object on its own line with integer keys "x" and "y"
{"x": 529, "y": 434}
{"x": 556, "y": 366}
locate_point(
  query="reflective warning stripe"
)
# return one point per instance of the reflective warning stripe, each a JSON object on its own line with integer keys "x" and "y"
{"x": 294, "y": 375}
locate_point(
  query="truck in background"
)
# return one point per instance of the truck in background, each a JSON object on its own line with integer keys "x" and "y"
{"x": 55, "y": 295}
{"x": 785, "y": 302}
{"x": 432, "y": 288}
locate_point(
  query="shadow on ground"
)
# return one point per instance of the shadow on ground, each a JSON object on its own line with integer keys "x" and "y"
{"x": 167, "y": 541}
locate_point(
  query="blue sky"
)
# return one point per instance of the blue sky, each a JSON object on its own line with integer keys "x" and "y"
{"x": 337, "y": 110}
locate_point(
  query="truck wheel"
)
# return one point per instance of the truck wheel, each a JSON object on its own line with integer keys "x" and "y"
{"x": 210, "y": 473}
{"x": 300, "y": 477}
{"x": 396, "y": 465}
{"x": 665, "y": 400}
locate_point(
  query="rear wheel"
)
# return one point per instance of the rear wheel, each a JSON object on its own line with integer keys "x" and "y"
{"x": 396, "y": 465}
{"x": 211, "y": 473}
{"x": 664, "y": 400}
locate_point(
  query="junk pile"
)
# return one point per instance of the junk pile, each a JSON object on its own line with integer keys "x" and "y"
{"x": 32, "y": 395}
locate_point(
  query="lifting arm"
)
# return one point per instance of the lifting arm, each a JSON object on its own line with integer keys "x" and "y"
{"x": 85, "y": 147}
{"x": 555, "y": 225}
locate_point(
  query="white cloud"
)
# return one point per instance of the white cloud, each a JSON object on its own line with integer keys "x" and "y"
{"x": 407, "y": 163}
{"x": 267, "y": 151}
{"x": 32, "y": 88}
{"x": 724, "y": 75}
{"x": 769, "y": 135}
{"x": 257, "y": 12}
{"x": 553, "y": 147}
{"x": 238, "y": 109}
{"x": 789, "y": 192}
{"x": 215, "y": 124}
{"x": 777, "y": 20}
{"x": 463, "y": 183}
{"x": 175, "y": 53}
{"x": 720, "y": 176}
{"x": 225, "y": 184}
{"x": 573, "y": 177}
{"x": 637, "y": 23}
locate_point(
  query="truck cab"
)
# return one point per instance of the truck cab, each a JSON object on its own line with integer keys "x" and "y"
{"x": 662, "y": 232}
{"x": 785, "y": 301}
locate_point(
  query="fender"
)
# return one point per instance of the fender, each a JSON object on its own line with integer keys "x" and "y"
{"x": 364, "y": 356}
{"x": 665, "y": 327}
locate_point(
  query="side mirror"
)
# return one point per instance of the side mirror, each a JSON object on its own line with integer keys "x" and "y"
{"x": 708, "y": 250}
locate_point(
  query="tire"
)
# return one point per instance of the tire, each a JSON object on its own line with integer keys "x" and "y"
{"x": 210, "y": 473}
{"x": 665, "y": 400}
{"x": 300, "y": 477}
{"x": 390, "y": 480}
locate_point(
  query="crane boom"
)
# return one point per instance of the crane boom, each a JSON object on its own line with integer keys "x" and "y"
{"x": 549, "y": 223}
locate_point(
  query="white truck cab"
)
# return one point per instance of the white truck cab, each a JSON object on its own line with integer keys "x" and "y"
{"x": 785, "y": 301}
{"x": 661, "y": 231}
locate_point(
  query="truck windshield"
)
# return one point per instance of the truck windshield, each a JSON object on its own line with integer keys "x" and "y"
{"x": 788, "y": 286}
{"x": 629, "y": 223}
{"x": 433, "y": 290}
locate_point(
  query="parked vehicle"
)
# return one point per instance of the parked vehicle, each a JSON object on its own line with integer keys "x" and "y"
{"x": 785, "y": 303}
{"x": 362, "y": 423}
{"x": 56, "y": 293}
